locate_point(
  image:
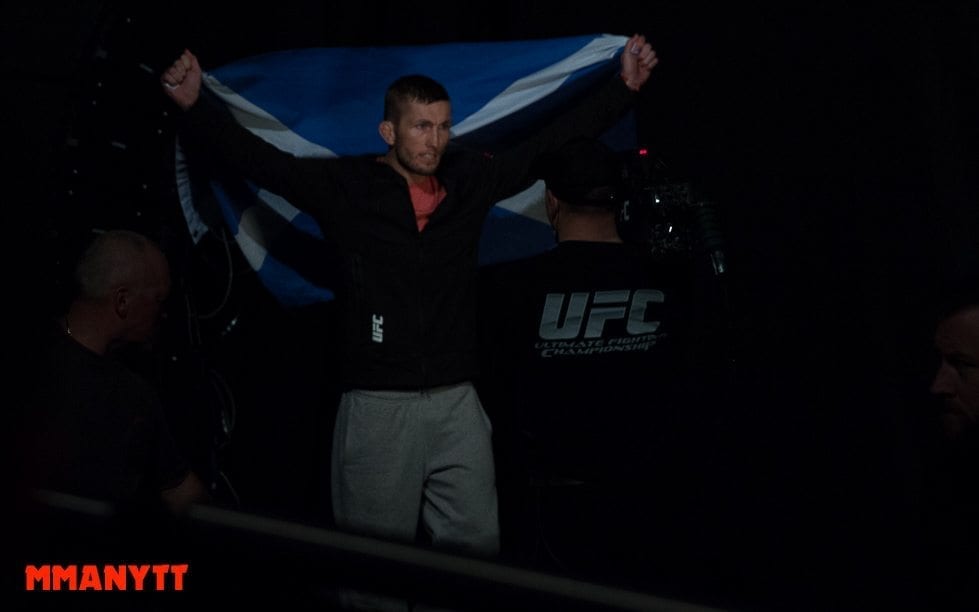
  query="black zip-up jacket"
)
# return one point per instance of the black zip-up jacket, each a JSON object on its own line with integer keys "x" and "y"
{"x": 407, "y": 298}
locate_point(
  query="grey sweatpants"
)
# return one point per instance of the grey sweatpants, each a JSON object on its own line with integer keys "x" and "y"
{"x": 398, "y": 454}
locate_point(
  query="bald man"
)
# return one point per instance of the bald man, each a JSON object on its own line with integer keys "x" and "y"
{"x": 96, "y": 428}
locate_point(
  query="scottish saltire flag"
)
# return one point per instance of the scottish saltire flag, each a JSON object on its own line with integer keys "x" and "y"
{"x": 329, "y": 101}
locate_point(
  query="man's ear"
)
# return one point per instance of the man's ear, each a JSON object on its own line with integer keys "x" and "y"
{"x": 386, "y": 130}
{"x": 120, "y": 301}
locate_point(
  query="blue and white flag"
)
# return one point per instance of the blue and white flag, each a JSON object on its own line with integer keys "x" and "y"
{"x": 325, "y": 102}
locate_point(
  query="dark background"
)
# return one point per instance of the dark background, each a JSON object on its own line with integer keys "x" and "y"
{"x": 839, "y": 143}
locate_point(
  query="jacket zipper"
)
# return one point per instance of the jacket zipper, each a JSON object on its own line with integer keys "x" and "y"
{"x": 421, "y": 312}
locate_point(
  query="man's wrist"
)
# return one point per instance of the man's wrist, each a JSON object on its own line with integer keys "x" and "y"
{"x": 630, "y": 83}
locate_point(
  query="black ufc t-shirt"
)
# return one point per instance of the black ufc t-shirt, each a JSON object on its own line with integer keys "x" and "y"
{"x": 584, "y": 357}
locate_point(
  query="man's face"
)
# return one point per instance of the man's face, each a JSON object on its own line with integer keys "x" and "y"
{"x": 957, "y": 378}
{"x": 421, "y": 135}
{"x": 148, "y": 300}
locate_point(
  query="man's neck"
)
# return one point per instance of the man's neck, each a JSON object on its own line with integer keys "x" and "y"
{"x": 587, "y": 232}
{"x": 81, "y": 328}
